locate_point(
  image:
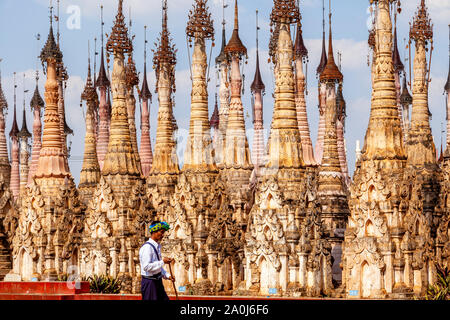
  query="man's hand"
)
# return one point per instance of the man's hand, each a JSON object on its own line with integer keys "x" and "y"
{"x": 167, "y": 260}
{"x": 171, "y": 278}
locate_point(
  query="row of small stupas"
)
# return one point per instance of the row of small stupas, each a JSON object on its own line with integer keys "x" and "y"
{"x": 285, "y": 219}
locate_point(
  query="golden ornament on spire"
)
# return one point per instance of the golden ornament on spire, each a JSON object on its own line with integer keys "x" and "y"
{"x": 165, "y": 51}
{"x": 118, "y": 41}
{"x": 422, "y": 28}
{"x": 200, "y": 24}
{"x": 235, "y": 45}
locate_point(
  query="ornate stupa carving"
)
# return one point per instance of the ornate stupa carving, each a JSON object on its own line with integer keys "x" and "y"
{"x": 258, "y": 89}
{"x": 90, "y": 171}
{"x": 194, "y": 195}
{"x": 119, "y": 212}
{"x": 146, "y": 98}
{"x": 332, "y": 191}
{"x": 301, "y": 55}
{"x": 423, "y": 171}
{"x": 132, "y": 81}
{"x": 46, "y": 242}
{"x": 165, "y": 169}
{"x": 8, "y": 225}
{"x": 223, "y": 63}
{"x": 14, "y": 182}
{"x": 198, "y": 156}
{"x": 237, "y": 165}
{"x": 398, "y": 69}
{"x": 321, "y": 96}
{"x": 281, "y": 250}
{"x": 23, "y": 136}
{"x": 5, "y": 166}
{"x": 420, "y": 146}
{"x": 104, "y": 113}
{"x": 36, "y": 105}
{"x": 388, "y": 239}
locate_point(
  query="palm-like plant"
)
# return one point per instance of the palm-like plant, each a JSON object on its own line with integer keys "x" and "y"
{"x": 104, "y": 284}
{"x": 441, "y": 289}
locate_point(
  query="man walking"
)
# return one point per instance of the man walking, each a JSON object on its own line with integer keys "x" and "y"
{"x": 152, "y": 271}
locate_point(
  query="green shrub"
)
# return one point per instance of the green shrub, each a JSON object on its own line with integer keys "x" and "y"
{"x": 441, "y": 289}
{"x": 104, "y": 284}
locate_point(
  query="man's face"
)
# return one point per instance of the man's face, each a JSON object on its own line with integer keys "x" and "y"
{"x": 158, "y": 235}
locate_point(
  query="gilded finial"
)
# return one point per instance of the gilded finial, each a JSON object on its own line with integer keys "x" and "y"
{"x": 235, "y": 46}
{"x": 89, "y": 93}
{"x": 118, "y": 42}
{"x": 14, "y": 129}
{"x": 421, "y": 28}
{"x": 51, "y": 50}
{"x": 102, "y": 79}
{"x": 223, "y": 57}
{"x": 200, "y": 24}
{"x": 165, "y": 52}
{"x": 145, "y": 93}
{"x": 331, "y": 72}
{"x": 257, "y": 83}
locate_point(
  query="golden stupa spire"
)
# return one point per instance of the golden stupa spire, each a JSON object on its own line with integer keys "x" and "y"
{"x": 237, "y": 153}
{"x": 90, "y": 171}
{"x": 145, "y": 151}
{"x": 120, "y": 158}
{"x": 165, "y": 159}
{"x": 421, "y": 149}
{"x": 52, "y": 160}
{"x": 199, "y": 154}
{"x": 384, "y": 136}
{"x": 331, "y": 180}
{"x": 285, "y": 150}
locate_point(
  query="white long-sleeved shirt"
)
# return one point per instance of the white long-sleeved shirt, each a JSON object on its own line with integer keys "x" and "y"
{"x": 150, "y": 262}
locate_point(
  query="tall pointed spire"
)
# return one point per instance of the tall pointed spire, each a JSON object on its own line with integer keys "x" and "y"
{"x": 301, "y": 56}
{"x": 421, "y": 149}
{"x": 119, "y": 158}
{"x": 165, "y": 159}
{"x": 285, "y": 152}
{"x": 90, "y": 171}
{"x": 199, "y": 152}
{"x": 15, "y": 157}
{"x": 102, "y": 79}
{"x": 36, "y": 105}
{"x": 323, "y": 58}
{"x": 398, "y": 68}
{"x": 222, "y": 57}
{"x": 258, "y": 88}
{"x": 331, "y": 72}
{"x": 321, "y": 94}
{"x": 5, "y": 166}
{"x": 373, "y": 195}
{"x": 132, "y": 81}
{"x": 237, "y": 164}
{"x": 145, "y": 95}
{"x": 104, "y": 111}
{"x": 52, "y": 160}
{"x": 223, "y": 62}
{"x": 331, "y": 185}
{"x": 23, "y": 136}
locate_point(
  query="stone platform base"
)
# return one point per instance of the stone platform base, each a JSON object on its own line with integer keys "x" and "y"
{"x": 56, "y": 290}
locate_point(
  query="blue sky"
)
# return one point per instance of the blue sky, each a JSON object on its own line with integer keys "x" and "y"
{"x": 21, "y": 20}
